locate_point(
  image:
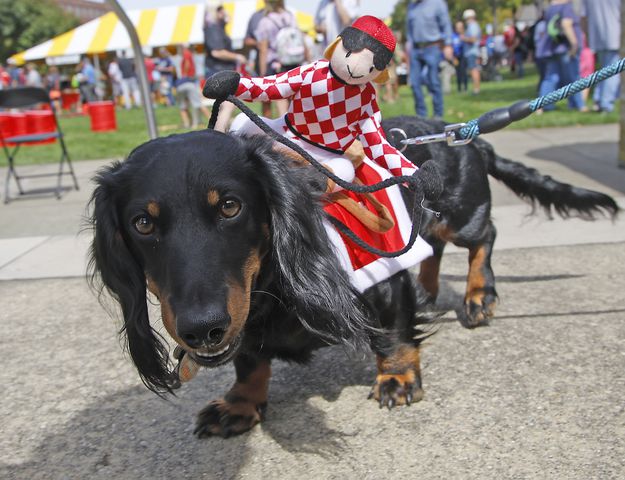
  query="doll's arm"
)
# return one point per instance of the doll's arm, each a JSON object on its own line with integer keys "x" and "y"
{"x": 377, "y": 148}
{"x": 273, "y": 87}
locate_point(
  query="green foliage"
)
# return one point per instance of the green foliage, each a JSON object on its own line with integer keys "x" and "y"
{"x": 26, "y": 23}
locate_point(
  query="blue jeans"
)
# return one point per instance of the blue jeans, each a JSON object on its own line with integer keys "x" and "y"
{"x": 607, "y": 92}
{"x": 561, "y": 70}
{"x": 427, "y": 59}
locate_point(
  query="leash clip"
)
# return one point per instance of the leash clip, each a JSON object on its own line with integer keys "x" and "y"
{"x": 449, "y": 136}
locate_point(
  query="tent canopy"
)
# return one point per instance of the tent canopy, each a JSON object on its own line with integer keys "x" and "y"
{"x": 156, "y": 27}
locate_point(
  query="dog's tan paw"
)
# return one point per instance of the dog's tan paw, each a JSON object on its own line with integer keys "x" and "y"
{"x": 225, "y": 419}
{"x": 477, "y": 310}
{"x": 392, "y": 390}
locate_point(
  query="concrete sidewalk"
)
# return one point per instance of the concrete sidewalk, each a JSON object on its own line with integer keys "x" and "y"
{"x": 41, "y": 237}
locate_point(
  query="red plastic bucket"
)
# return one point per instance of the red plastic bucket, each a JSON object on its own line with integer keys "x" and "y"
{"x": 13, "y": 124}
{"x": 69, "y": 99}
{"x": 40, "y": 121}
{"x": 102, "y": 116}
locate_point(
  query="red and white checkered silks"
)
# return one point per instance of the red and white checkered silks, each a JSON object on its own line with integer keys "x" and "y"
{"x": 328, "y": 112}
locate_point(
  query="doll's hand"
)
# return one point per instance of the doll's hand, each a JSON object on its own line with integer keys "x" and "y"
{"x": 221, "y": 84}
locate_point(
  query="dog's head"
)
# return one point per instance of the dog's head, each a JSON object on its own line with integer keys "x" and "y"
{"x": 198, "y": 219}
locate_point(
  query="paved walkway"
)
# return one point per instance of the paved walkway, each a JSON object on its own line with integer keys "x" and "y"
{"x": 45, "y": 238}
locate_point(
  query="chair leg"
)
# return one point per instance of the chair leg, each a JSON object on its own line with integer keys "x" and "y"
{"x": 7, "y": 198}
{"x": 69, "y": 164}
{"x": 11, "y": 172}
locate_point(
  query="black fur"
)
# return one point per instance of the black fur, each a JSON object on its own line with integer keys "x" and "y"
{"x": 195, "y": 258}
{"x": 465, "y": 204}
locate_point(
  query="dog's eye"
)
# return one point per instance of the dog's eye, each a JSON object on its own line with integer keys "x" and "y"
{"x": 144, "y": 225}
{"x": 230, "y": 208}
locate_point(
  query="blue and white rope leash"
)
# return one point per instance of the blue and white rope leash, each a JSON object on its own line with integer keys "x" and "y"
{"x": 463, "y": 133}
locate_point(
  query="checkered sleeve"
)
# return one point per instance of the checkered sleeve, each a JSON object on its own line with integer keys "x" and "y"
{"x": 272, "y": 87}
{"x": 376, "y": 146}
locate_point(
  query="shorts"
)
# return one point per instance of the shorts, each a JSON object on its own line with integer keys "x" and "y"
{"x": 188, "y": 95}
{"x": 471, "y": 62}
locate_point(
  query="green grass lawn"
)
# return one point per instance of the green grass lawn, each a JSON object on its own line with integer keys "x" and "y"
{"x": 83, "y": 144}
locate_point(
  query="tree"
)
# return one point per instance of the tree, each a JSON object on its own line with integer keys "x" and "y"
{"x": 26, "y": 23}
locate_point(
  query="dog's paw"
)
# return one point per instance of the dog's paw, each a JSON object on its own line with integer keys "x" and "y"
{"x": 224, "y": 419}
{"x": 477, "y": 311}
{"x": 391, "y": 390}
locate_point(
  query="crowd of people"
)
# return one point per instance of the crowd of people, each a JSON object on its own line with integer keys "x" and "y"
{"x": 563, "y": 43}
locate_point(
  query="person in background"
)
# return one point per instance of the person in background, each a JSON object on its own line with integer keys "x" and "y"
{"x": 167, "y": 71}
{"x": 150, "y": 67}
{"x": 130, "y": 85}
{"x": 540, "y": 47}
{"x": 188, "y": 95}
{"x": 460, "y": 62}
{"x": 251, "y": 42}
{"x": 276, "y": 18}
{"x": 586, "y": 67}
{"x": 87, "y": 80}
{"x": 115, "y": 77}
{"x": 52, "y": 84}
{"x": 219, "y": 54}
{"x": 428, "y": 31}
{"x": 562, "y": 50}
{"x": 520, "y": 48}
{"x": 32, "y": 77}
{"x": 602, "y": 22}
{"x": 333, "y": 16}
{"x": 471, "y": 40}
{"x": 5, "y": 77}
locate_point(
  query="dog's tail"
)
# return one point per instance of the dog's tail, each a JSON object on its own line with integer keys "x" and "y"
{"x": 529, "y": 184}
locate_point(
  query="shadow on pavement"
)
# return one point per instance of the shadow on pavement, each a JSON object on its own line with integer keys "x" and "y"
{"x": 135, "y": 434}
{"x": 598, "y": 161}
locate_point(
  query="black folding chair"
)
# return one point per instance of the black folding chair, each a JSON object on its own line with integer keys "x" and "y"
{"x": 24, "y": 97}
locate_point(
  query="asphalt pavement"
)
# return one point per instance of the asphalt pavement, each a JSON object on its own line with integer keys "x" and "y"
{"x": 537, "y": 394}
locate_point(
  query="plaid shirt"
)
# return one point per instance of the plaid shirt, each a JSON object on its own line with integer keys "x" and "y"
{"x": 328, "y": 112}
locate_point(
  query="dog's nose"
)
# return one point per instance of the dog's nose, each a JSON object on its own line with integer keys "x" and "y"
{"x": 203, "y": 329}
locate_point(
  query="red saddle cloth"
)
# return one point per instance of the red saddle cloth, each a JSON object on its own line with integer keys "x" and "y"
{"x": 366, "y": 268}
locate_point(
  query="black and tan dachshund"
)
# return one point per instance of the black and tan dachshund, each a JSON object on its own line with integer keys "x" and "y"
{"x": 228, "y": 234}
{"x": 465, "y": 207}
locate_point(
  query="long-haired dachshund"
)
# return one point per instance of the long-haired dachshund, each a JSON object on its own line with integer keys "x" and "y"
{"x": 229, "y": 235}
{"x": 465, "y": 207}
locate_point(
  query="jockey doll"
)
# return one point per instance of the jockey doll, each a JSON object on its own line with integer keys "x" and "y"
{"x": 333, "y": 101}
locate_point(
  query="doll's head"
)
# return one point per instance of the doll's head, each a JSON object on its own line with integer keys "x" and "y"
{"x": 362, "y": 52}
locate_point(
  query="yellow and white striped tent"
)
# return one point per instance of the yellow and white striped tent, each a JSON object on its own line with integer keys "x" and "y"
{"x": 156, "y": 27}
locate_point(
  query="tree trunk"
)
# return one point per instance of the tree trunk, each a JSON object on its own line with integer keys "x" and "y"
{"x": 621, "y": 151}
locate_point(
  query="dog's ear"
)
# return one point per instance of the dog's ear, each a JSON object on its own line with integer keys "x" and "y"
{"x": 113, "y": 266}
{"x": 309, "y": 270}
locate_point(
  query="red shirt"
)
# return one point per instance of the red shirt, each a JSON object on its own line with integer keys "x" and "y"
{"x": 187, "y": 67}
{"x": 328, "y": 112}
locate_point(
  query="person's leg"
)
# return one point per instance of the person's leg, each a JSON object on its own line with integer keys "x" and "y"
{"x": 432, "y": 57}
{"x": 136, "y": 94}
{"x": 126, "y": 93}
{"x": 415, "y": 82}
{"x": 610, "y": 88}
{"x": 570, "y": 71}
{"x": 475, "y": 73}
{"x": 551, "y": 79}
